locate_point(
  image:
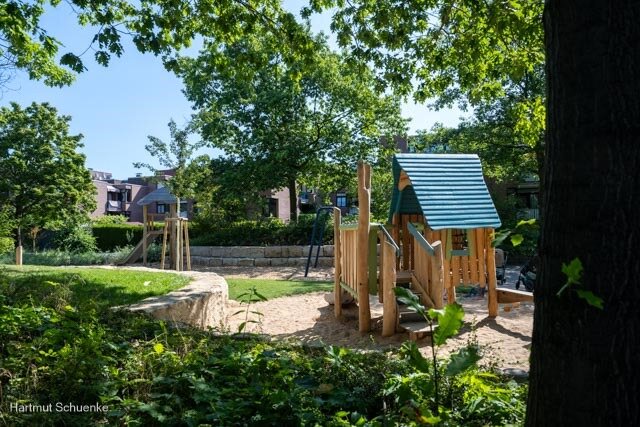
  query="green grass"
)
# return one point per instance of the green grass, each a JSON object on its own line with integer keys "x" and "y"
{"x": 103, "y": 287}
{"x": 276, "y": 288}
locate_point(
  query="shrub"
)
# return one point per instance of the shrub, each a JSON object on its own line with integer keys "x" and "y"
{"x": 6, "y": 245}
{"x": 74, "y": 238}
{"x": 264, "y": 233}
{"x": 110, "y": 219}
{"x": 56, "y": 258}
{"x": 113, "y": 236}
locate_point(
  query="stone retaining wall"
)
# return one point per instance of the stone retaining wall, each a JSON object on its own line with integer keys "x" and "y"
{"x": 258, "y": 256}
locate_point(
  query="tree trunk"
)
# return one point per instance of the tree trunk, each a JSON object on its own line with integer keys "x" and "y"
{"x": 293, "y": 201}
{"x": 585, "y": 362}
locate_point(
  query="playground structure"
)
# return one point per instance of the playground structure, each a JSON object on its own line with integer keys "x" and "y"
{"x": 439, "y": 236}
{"x": 171, "y": 226}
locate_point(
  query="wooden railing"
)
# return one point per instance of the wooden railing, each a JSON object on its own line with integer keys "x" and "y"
{"x": 389, "y": 252}
{"x": 428, "y": 268}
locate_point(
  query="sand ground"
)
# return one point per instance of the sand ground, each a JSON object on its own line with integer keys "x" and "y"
{"x": 505, "y": 340}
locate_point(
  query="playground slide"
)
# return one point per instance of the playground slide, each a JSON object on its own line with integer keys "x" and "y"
{"x": 136, "y": 253}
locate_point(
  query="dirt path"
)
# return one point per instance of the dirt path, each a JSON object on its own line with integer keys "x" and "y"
{"x": 309, "y": 318}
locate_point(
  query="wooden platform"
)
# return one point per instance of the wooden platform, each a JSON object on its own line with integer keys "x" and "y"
{"x": 417, "y": 330}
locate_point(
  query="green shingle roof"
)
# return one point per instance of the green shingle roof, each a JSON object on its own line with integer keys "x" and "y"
{"x": 447, "y": 189}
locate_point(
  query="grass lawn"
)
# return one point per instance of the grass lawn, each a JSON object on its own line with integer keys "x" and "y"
{"x": 104, "y": 287}
{"x": 276, "y": 288}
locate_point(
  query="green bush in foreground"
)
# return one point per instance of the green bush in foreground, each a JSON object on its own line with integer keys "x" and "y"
{"x": 58, "y": 347}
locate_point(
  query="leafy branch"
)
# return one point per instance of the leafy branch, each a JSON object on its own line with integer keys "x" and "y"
{"x": 574, "y": 271}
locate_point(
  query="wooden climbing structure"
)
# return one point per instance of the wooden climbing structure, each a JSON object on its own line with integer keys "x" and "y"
{"x": 438, "y": 237}
{"x": 173, "y": 229}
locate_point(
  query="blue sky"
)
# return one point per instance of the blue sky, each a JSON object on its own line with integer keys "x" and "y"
{"x": 117, "y": 107}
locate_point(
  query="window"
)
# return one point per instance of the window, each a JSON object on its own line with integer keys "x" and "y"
{"x": 160, "y": 208}
{"x": 341, "y": 200}
{"x": 273, "y": 208}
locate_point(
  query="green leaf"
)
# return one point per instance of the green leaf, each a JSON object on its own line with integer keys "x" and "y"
{"x": 516, "y": 239}
{"x": 522, "y": 222}
{"x": 500, "y": 237}
{"x": 462, "y": 360}
{"x": 573, "y": 271}
{"x": 158, "y": 348}
{"x": 412, "y": 301}
{"x": 591, "y": 298}
{"x": 449, "y": 323}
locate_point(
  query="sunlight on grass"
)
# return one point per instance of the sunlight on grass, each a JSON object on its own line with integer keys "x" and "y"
{"x": 276, "y": 288}
{"x": 105, "y": 287}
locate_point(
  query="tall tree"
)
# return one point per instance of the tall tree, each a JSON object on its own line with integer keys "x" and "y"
{"x": 584, "y": 364}
{"x": 287, "y": 122}
{"x": 486, "y": 54}
{"x": 178, "y": 155}
{"x": 43, "y": 178}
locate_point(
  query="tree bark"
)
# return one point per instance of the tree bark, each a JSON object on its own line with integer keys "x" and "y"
{"x": 293, "y": 201}
{"x": 585, "y": 362}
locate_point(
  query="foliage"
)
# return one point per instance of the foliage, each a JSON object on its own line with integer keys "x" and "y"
{"x": 109, "y": 219}
{"x": 113, "y": 236}
{"x": 271, "y": 289}
{"x": 283, "y": 123}
{"x": 574, "y": 271}
{"x": 261, "y": 233}
{"x": 59, "y": 345}
{"x": 75, "y": 238}
{"x": 59, "y": 258}
{"x": 176, "y": 156}
{"x": 44, "y": 182}
{"x": 453, "y": 49}
{"x": 158, "y": 27}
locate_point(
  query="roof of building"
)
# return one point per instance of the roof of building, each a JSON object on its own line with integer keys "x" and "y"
{"x": 447, "y": 189}
{"x": 161, "y": 195}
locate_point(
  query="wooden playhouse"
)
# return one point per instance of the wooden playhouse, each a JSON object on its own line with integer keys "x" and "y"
{"x": 438, "y": 237}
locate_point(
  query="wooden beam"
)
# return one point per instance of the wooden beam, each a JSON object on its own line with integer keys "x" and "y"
{"x": 364, "y": 206}
{"x": 337, "y": 290}
{"x": 509, "y": 296}
{"x": 404, "y": 181}
{"x": 145, "y": 233}
{"x": 389, "y": 313}
{"x": 491, "y": 274}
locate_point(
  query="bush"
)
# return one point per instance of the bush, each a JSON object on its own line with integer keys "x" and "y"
{"x": 112, "y": 236}
{"x": 56, "y": 258}
{"x": 6, "y": 245}
{"x": 74, "y": 238}
{"x": 264, "y": 233}
{"x": 110, "y": 219}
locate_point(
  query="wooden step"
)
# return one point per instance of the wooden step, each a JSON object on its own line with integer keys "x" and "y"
{"x": 409, "y": 317}
{"x": 403, "y": 276}
{"x": 417, "y": 330}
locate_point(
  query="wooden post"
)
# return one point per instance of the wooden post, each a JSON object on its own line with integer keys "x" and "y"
{"x": 167, "y": 224}
{"x": 473, "y": 256}
{"x": 482, "y": 265}
{"x": 491, "y": 272}
{"x": 337, "y": 251}
{"x": 455, "y": 273}
{"x": 18, "y": 255}
{"x": 388, "y": 283}
{"x": 437, "y": 275}
{"x": 145, "y": 232}
{"x": 465, "y": 270}
{"x": 364, "y": 206}
{"x": 187, "y": 244}
{"x": 172, "y": 236}
{"x": 179, "y": 248}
